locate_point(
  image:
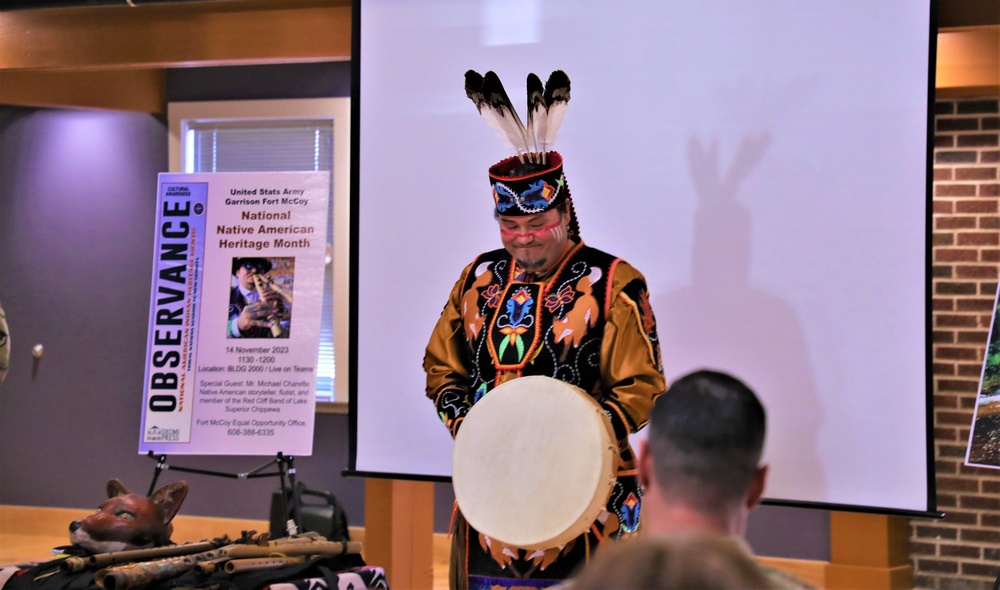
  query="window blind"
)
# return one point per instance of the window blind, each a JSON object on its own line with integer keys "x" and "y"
{"x": 262, "y": 145}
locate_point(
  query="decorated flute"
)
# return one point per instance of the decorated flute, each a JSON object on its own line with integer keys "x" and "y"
{"x": 100, "y": 560}
{"x": 138, "y": 575}
{"x": 235, "y": 566}
{"x": 270, "y": 284}
{"x": 262, "y": 287}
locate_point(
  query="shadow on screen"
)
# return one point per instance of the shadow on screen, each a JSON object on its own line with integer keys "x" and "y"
{"x": 721, "y": 321}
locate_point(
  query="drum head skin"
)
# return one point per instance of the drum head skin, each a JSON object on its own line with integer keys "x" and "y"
{"x": 534, "y": 463}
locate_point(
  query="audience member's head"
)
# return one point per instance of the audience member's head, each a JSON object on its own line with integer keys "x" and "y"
{"x": 700, "y": 464}
{"x": 662, "y": 562}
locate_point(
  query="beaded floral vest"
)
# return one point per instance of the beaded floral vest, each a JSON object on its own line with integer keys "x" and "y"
{"x": 552, "y": 328}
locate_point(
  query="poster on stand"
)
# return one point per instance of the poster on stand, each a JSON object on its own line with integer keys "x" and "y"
{"x": 234, "y": 329}
{"x": 984, "y": 437}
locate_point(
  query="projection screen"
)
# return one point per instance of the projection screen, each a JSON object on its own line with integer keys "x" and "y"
{"x": 764, "y": 164}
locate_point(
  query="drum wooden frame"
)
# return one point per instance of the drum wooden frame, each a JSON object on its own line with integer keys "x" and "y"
{"x": 534, "y": 463}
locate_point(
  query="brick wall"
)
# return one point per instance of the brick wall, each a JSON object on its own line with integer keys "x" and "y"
{"x": 963, "y": 549}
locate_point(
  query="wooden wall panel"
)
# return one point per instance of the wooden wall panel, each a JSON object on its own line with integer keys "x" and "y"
{"x": 968, "y": 63}
{"x": 124, "y": 90}
{"x": 172, "y": 35}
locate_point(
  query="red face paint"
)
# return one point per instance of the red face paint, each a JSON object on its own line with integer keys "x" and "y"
{"x": 524, "y": 234}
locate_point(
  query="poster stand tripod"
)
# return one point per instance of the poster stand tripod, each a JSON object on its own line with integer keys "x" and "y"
{"x": 285, "y": 473}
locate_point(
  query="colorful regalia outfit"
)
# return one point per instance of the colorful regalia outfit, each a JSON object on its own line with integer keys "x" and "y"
{"x": 586, "y": 321}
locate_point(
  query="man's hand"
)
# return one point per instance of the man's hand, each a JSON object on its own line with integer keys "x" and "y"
{"x": 257, "y": 314}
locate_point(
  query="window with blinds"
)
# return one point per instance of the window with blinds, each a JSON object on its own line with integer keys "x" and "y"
{"x": 263, "y": 145}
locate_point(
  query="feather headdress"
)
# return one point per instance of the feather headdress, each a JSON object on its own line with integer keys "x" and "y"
{"x": 530, "y": 181}
{"x": 546, "y": 110}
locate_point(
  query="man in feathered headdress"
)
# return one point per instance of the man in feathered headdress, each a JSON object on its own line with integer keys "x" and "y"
{"x": 544, "y": 304}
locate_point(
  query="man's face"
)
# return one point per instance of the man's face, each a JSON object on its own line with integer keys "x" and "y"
{"x": 245, "y": 274}
{"x": 535, "y": 241}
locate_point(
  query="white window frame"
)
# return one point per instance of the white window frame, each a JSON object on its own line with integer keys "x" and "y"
{"x": 337, "y": 110}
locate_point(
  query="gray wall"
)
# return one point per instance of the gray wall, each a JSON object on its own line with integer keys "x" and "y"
{"x": 77, "y": 193}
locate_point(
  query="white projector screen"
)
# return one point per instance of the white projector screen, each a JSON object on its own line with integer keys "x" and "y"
{"x": 763, "y": 163}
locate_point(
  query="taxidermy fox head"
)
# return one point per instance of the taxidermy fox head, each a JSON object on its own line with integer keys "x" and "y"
{"x": 128, "y": 521}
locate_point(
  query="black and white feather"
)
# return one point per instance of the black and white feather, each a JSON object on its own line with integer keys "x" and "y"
{"x": 537, "y": 113}
{"x": 546, "y": 110}
{"x": 493, "y": 118}
{"x": 497, "y": 99}
{"x": 556, "y": 101}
